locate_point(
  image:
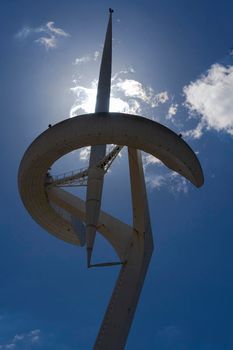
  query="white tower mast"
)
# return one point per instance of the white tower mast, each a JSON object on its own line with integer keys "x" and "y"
{"x": 95, "y": 174}
{"x": 56, "y": 209}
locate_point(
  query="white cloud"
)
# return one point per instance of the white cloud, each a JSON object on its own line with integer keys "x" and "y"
{"x": 127, "y": 95}
{"x": 131, "y": 70}
{"x": 22, "y": 340}
{"x": 157, "y": 176}
{"x": 85, "y": 100}
{"x": 162, "y": 97}
{"x": 50, "y": 38}
{"x": 155, "y": 181}
{"x": 148, "y": 159}
{"x": 177, "y": 183}
{"x": 172, "y": 111}
{"x": 83, "y": 59}
{"x": 210, "y": 98}
{"x": 116, "y": 76}
{"x": 135, "y": 89}
{"x": 18, "y": 337}
{"x": 84, "y": 153}
{"x": 169, "y": 180}
{"x": 87, "y": 58}
{"x": 195, "y": 133}
{"x": 96, "y": 55}
{"x": 48, "y": 43}
{"x": 56, "y": 31}
{"x": 34, "y": 335}
{"x": 131, "y": 88}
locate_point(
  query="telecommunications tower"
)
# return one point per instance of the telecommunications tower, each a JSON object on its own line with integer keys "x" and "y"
{"x": 76, "y": 221}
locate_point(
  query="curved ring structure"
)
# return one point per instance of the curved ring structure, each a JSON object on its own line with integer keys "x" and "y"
{"x": 118, "y": 128}
{"x": 63, "y": 214}
{"x": 134, "y": 245}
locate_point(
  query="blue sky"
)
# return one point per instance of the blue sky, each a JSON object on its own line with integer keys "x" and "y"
{"x": 172, "y": 62}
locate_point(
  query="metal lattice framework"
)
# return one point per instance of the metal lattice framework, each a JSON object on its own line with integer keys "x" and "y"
{"x": 79, "y": 177}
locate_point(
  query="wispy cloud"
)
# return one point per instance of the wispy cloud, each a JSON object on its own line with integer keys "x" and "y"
{"x": 47, "y": 35}
{"x": 55, "y": 30}
{"x": 87, "y": 58}
{"x": 84, "y": 153}
{"x": 155, "y": 181}
{"x": 158, "y": 176}
{"x": 84, "y": 100}
{"x": 172, "y": 111}
{"x": 129, "y": 70}
{"x": 22, "y": 340}
{"x": 134, "y": 89}
{"x": 172, "y": 181}
{"x": 210, "y": 99}
{"x": 96, "y": 55}
{"x": 127, "y": 95}
{"x": 47, "y": 42}
{"x": 83, "y": 59}
{"x": 148, "y": 159}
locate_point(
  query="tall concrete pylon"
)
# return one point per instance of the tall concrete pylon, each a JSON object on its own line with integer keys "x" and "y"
{"x": 96, "y": 174}
{"x": 56, "y": 209}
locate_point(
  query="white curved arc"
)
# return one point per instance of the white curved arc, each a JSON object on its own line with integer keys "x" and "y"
{"x": 118, "y": 128}
{"x": 115, "y": 231}
{"x": 133, "y": 245}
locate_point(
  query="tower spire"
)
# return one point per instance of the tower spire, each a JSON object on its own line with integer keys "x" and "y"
{"x": 96, "y": 175}
{"x": 104, "y": 84}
